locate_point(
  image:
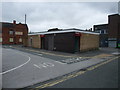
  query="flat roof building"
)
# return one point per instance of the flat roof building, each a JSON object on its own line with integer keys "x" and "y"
{"x": 65, "y": 40}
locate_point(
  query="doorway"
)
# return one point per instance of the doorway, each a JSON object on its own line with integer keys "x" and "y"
{"x": 51, "y": 42}
{"x": 31, "y": 42}
{"x": 42, "y": 43}
{"x": 77, "y": 44}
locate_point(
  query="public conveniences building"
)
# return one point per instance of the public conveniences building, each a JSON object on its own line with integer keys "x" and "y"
{"x": 66, "y": 40}
{"x": 12, "y": 33}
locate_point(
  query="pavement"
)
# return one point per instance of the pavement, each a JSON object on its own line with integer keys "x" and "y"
{"x": 25, "y": 66}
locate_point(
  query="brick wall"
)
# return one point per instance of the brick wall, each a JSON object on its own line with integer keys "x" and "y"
{"x": 7, "y": 27}
{"x": 114, "y": 26}
{"x": 89, "y": 42}
{"x": 34, "y": 41}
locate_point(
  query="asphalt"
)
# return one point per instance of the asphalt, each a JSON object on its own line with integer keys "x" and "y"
{"x": 105, "y": 76}
{"x": 22, "y": 68}
{"x": 0, "y": 67}
{"x": 12, "y": 59}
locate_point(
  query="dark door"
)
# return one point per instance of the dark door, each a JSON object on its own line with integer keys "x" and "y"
{"x": 64, "y": 42}
{"x": 77, "y": 44}
{"x": 31, "y": 42}
{"x": 50, "y": 42}
{"x": 42, "y": 42}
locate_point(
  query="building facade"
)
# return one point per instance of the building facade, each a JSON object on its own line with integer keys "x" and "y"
{"x": 12, "y": 33}
{"x": 109, "y": 33}
{"x": 103, "y": 30}
{"x": 114, "y": 30}
{"x": 34, "y": 41}
{"x": 65, "y": 40}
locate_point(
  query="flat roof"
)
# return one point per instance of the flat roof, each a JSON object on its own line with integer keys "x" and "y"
{"x": 63, "y": 31}
{"x": 101, "y": 25}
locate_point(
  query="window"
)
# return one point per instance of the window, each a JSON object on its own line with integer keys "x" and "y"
{"x": 105, "y": 32}
{"x": 96, "y": 28}
{"x": 18, "y": 33}
{"x": 20, "y": 39}
{"x": 10, "y": 39}
{"x": 11, "y": 32}
{"x": 98, "y": 31}
{"x": 0, "y": 39}
{"x": 102, "y": 31}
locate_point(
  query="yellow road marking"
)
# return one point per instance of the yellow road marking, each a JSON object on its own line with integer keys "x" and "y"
{"x": 97, "y": 56}
{"x": 50, "y": 53}
{"x": 98, "y": 65}
{"x": 102, "y": 55}
{"x": 61, "y": 80}
{"x": 74, "y": 74}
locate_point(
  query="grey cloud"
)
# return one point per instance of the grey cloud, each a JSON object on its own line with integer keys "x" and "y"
{"x": 106, "y": 7}
{"x": 42, "y": 16}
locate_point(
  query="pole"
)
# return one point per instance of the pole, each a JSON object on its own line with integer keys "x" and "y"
{"x": 25, "y": 18}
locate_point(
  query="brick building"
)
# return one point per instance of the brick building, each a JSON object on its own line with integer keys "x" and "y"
{"x": 103, "y": 30}
{"x": 114, "y": 30}
{"x": 109, "y": 33}
{"x": 13, "y": 33}
{"x": 66, "y": 40}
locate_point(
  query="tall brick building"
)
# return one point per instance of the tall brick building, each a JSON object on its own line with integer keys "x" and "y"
{"x": 109, "y": 33}
{"x": 13, "y": 33}
{"x": 114, "y": 30}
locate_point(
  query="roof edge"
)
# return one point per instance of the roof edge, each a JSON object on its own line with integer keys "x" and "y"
{"x": 65, "y": 31}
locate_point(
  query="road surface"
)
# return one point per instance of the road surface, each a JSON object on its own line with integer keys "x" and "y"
{"x": 105, "y": 76}
{"x": 21, "y": 69}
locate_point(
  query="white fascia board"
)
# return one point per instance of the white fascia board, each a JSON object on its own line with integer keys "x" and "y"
{"x": 52, "y": 32}
{"x": 70, "y": 31}
{"x": 88, "y": 32}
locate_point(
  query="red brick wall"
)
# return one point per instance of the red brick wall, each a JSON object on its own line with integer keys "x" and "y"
{"x": 114, "y": 26}
{"x": 17, "y": 28}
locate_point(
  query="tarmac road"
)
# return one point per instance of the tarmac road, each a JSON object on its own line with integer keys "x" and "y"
{"x": 26, "y": 69}
{"x": 105, "y": 76}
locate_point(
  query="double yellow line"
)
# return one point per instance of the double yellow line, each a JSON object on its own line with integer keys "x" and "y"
{"x": 52, "y": 83}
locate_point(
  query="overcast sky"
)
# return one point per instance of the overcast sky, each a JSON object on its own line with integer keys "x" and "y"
{"x": 42, "y": 16}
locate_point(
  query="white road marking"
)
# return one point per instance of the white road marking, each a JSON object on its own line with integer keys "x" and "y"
{"x": 17, "y": 66}
{"x": 44, "y": 65}
{"x": 48, "y": 64}
{"x": 60, "y": 62}
{"x": 37, "y": 66}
